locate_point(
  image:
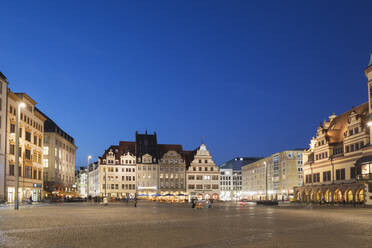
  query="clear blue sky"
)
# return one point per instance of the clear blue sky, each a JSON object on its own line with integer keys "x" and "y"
{"x": 253, "y": 77}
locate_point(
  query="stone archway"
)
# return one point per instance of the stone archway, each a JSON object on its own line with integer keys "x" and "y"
{"x": 337, "y": 195}
{"x": 319, "y": 195}
{"x": 360, "y": 196}
{"x": 349, "y": 195}
{"x": 328, "y": 196}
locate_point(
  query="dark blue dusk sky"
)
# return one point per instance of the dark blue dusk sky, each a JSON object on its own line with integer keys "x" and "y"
{"x": 253, "y": 77}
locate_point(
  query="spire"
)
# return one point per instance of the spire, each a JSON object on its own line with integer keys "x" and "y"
{"x": 370, "y": 59}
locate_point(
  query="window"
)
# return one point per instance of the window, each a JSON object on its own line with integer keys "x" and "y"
{"x": 28, "y": 154}
{"x": 28, "y": 171}
{"x": 347, "y": 148}
{"x": 11, "y": 149}
{"x": 356, "y": 130}
{"x": 191, "y": 186}
{"x": 352, "y": 172}
{"x": 206, "y": 161}
{"x": 316, "y": 177}
{"x": 200, "y": 161}
{"x": 35, "y": 139}
{"x": 309, "y": 178}
{"x": 191, "y": 177}
{"x": 199, "y": 177}
{"x": 326, "y": 176}
{"x": 46, "y": 150}
{"x": 199, "y": 186}
{"x": 340, "y": 174}
{"x": 12, "y": 128}
{"x": 11, "y": 170}
{"x": 45, "y": 163}
{"x": 351, "y": 132}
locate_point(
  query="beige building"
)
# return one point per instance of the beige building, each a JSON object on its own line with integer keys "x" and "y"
{"x": 273, "y": 177}
{"x": 117, "y": 172}
{"x": 172, "y": 170}
{"x": 59, "y": 152}
{"x": 31, "y": 149}
{"x": 3, "y": 137}
{"x": 202, "y": 176}
{"x": 338, "y": 164}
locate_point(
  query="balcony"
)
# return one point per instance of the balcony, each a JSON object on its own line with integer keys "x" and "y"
{"x": 364, "y": 177}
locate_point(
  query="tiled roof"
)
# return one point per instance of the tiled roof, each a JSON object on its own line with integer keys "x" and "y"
{"x": 164, "y": 148}
{"x": 338, "y": 125}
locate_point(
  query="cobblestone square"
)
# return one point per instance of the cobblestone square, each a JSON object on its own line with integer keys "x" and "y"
{"x": 166, "y": 225}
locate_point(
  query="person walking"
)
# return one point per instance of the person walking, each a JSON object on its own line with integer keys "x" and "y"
{"x": 193, "y": 203}
{"x": 135, "y": 202}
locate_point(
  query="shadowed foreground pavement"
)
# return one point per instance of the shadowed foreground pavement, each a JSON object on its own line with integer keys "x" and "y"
{"x": 163, "y": 225}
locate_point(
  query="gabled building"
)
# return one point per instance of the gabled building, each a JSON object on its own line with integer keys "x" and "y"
{"x": 338, "y": 163}
{"x": 172, "y": 170}
{"x": 116, "y": 171}
{"x": 202, "y": 176}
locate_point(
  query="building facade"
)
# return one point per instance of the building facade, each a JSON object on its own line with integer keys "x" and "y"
{"x": 273, "y": 177}
{"x": 82, "y": 182}
{"x": 59, "y": 153}
{"x": 338, "y": 162}
{"x": 231, "y": 183}
{"x": 202, "y": 176}
{"x": 3, "y": 133}
{"x": 172, "y": 171}
{"x": 93, "y": 182}
{"x": 31, "y": 128}
{"x": 117, "y": 171}
{"x": 147, "y": 156}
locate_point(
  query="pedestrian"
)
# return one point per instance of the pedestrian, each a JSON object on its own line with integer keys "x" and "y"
{"x": 193, "y": 203}
{"x": 135, "y": 202}
{"x": 209, "y": 203}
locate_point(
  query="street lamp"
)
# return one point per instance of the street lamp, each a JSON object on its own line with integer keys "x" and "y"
{"x": 16, "y": 169}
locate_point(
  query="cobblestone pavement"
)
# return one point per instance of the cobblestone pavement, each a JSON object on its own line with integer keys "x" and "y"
{"x": 165, "y": 225}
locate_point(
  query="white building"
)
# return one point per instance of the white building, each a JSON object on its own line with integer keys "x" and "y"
{"x": 93, "y": 180}
{"x": 82, "y": 182}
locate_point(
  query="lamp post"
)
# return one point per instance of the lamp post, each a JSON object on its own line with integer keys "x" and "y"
{"x": 16, "y": 169}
